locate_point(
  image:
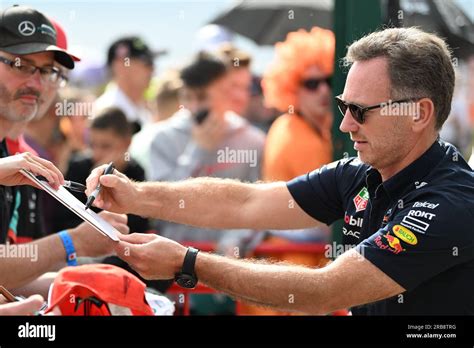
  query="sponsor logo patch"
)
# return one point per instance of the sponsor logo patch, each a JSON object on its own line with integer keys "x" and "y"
{"x": 360, "y": 201}
{"x": 415, "y": 224}
{"x": 389, "y": 242}
{"x": 405, "y": 234}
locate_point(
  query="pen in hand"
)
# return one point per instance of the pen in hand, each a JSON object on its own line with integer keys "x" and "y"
{"x": 108, "y": 170}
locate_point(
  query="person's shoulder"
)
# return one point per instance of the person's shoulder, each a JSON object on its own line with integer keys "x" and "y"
{"x": 346, "y": 173}
{"x": 179, "y": 121}
{"x": 239, "y": 124}
{"x": 351, "y": 166}
{"x": 134, "y": 170}
{"x": 453, "y": 173}
{"x": 81, "y": 159}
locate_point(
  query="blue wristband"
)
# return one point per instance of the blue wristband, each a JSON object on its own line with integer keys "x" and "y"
{"x": 71, "y": 257}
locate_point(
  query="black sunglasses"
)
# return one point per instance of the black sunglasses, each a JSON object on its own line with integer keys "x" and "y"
{"x": 358, "y": 111}
{"x": 313, "y": 84}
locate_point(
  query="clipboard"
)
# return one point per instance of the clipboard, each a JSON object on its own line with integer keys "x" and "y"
{"x": 76, "y": 206}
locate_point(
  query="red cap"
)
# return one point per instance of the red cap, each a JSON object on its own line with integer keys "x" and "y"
{"x": 61, "y": 38}
{"x": 120, "y": 290}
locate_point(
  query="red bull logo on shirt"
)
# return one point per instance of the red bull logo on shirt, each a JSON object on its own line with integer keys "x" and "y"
{"x": 389, "y": 242}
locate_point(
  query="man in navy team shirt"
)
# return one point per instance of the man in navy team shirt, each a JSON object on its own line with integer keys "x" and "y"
{"x": 407, "y": 201}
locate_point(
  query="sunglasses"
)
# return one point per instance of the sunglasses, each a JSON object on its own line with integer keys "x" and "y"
{"x": 358, "y": 111}
{"x": 313, "y": 84}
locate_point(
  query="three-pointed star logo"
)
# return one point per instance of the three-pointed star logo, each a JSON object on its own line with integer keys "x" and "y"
{"x": 26, "y": 28}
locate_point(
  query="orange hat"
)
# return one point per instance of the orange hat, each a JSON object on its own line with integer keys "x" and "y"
{"x": 300, "y": 50}
{"x": 98, "y": 290}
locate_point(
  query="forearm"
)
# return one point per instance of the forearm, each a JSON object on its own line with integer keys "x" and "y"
{"x": 288, "y": 288}
{"x": 202, "y": 202}
{"x": 32, "y": 261}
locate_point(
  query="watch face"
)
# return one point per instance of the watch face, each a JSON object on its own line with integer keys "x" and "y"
{"x": 186, "y": 281}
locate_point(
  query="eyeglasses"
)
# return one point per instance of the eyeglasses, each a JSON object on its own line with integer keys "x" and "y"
{"x": 48, "y": 74}
{"x": 313, "y": 84}
{"x": 358, "y": 111}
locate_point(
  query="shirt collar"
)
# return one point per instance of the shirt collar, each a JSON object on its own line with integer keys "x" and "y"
{"x": 409, "y": 177}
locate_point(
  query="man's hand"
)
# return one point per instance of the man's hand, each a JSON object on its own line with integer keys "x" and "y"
{"x": 10, "y": 170}
{"x": 118, "y": 193}
{"x": 210, "y": 134}
{"x": 152, "y": 256}
{"x": 90, "y": 242}
{"x": 26, "y": 307}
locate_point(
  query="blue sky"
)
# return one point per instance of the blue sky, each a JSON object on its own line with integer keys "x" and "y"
{"x": 92, "y": 25}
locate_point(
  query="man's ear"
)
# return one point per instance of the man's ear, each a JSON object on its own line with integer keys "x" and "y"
{"x": 423, "y": 114}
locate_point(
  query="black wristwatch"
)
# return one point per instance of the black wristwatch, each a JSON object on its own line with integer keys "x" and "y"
{"x": 187, "y": 277}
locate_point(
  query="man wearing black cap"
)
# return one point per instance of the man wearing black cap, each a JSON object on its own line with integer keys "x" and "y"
{"x": 130, "y": 62}
{"x": 28, "y": 53}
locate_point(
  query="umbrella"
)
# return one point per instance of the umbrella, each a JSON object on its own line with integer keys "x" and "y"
{"x": 267, "y": 22}
{"x": 443, "y": 17}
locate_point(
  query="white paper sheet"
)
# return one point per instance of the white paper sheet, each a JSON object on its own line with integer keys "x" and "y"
{"x": 71, "y": 202}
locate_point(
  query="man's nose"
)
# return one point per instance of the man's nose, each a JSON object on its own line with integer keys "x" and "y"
{"x": 348, "y": 124}
{"x": 36, "y": 81}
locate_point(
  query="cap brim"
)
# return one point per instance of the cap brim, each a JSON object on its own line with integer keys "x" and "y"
{"x": 61, "y": 56}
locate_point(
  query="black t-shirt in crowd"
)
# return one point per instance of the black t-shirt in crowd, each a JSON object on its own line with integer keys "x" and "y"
{"x": 80, "y": 167}
{"x": 21, "y": 216}
{"x": 417, "y": 227}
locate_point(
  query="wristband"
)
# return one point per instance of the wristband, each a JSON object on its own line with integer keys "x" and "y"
{"x": 71, "y": 257}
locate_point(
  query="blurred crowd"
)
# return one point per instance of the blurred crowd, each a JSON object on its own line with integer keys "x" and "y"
{"x": 210, "y": 117}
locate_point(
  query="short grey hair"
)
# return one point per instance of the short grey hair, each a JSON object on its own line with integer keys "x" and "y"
{"x": 419, "y": 65}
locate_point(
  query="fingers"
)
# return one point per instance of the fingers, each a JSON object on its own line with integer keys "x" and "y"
{"x": 126, "y": 251}
{"x": 45, "y": 168}
{"x": 50, "y": 166}
{"x": 93, "y": 180}
{"x": 122, "y": 228}
{"x": 113, "y": 217}
{"x": 26, "y": 307}
{"x": 137, "y": 238}
{"x": 111, "y": 180}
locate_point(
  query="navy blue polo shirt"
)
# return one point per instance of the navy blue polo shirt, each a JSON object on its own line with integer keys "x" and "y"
{"x": 417, "y": 227}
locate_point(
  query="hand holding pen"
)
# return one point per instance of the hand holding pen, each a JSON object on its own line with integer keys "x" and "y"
{"x": 108, "y": 170}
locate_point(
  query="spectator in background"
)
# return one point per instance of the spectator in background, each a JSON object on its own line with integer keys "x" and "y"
{"x": 257, "y": 113}
{"x": 109, "y": 138}
{"x": 239, "y": 76}
{"x": 35, "y": 203}
{"x": 20, "y": 222}
{"x": 298, "y": 84}
{"x": 167, "y": 95}
{"x": 75, "y": 126}
{"x": 183, "y": 148}
{"x": 166, "y": 92}
{"x": 130, "y": 62}
{"x": 458, "y": 128}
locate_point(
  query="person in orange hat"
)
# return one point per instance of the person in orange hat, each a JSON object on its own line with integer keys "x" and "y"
{"x": 298, "y": 84}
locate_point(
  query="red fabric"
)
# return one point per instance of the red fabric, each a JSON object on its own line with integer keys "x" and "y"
{"x": 111, "y": 284}
{"x": 19, "y": 146}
